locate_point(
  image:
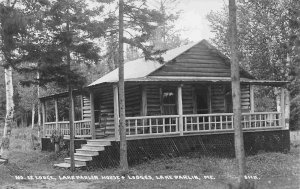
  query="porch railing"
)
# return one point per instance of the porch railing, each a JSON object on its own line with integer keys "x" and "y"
{"x": 82, "y": 128}
{"x": 152, "y": 125}
{"x": 169, "y": 124}
{"x": 224, "y": 122}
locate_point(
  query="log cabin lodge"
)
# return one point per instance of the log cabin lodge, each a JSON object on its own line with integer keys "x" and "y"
{"x": 179, "y": 106}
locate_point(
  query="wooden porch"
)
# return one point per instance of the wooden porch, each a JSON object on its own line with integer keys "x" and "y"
{"x": 150, "y": 126}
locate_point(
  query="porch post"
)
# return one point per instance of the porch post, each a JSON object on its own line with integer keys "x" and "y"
{"x": 287, "y": 109}
{"x": 116, "y": 111}
{"x": 180, "y": 112}
{"x": 43, "y": 117}
{"x": 144, "y": 101}
{"x": 93, "y": 130}
{"x": 56, "y": 113}
{"x": 81, "y": 106}
{"x": 282, "y": 103}
{"x": 251, "y": 99}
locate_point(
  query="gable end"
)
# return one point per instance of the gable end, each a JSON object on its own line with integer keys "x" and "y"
{"x": 201, "y": 60}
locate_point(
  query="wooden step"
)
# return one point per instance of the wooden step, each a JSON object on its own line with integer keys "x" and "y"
{"x": 66, "y": 165}
{"x": 84, "y": 156}
{"x": 107, "y": 132}
{"x": 87, "y": 152}
{"x": 3, "y": 161}
{"x": 93, "y": 147}
{"x": 101, "y": 142}
{"x": 77, "y": 161}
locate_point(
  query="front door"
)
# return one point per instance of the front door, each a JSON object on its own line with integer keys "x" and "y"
{"x": 202, "y": 100}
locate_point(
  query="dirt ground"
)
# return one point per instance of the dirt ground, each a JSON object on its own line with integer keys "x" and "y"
{"x": 264, "y": 170}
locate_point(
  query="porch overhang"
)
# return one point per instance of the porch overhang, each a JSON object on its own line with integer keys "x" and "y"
{"x": 157, "y": 79}
{"x": 65, "y": 94}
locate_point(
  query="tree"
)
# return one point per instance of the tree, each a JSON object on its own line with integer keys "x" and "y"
{"x": 123, "y": 143}
{"x": 136, "y": 22}
{"x": 66, "y": 38}
{"x": 13, "y": 25}
{"x": 236, "y": 94}
{"x": 266, "y": 42}
{"x": 166, "y": 37}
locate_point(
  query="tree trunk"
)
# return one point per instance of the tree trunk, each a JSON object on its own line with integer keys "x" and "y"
{"x": 236, "y": 94}
{"x": 71, "y": 107}
{"x": 39, "y": 106}
{"x": 71, "y": 122}
{"x": 123, "y": 143}
{"x": 4, "y": 151}
{"x": 9, "y": 113}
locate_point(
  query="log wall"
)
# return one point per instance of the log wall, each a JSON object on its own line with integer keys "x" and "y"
{"x": 86, "y": 108}
{"x": 105, "y": 109}
{"x": 245, "y": 98}
{"x": 188, "y": 99}
{"x": 133, "y": 100}
{"x": 218, "y": 99}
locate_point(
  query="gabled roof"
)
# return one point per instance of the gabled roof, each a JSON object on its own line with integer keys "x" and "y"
{"x": 140, "y": 68}
{"x": 199, "y": 59}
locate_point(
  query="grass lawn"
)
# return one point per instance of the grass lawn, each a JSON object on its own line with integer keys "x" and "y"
{"x": 265, "y": 170}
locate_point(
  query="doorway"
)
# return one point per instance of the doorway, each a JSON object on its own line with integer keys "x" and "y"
{"x": 202, "y": 100}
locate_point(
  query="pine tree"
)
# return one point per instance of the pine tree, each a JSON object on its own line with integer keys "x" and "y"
{"x": 69, "y": 29}
{"x": 166, "y": 36}
{"x": 138, "y": 21}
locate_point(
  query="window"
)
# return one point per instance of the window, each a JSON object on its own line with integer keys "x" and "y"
{"x": 169, "y": 102}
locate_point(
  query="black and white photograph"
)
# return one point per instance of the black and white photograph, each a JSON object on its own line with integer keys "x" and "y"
{"x": 150, "y": 94}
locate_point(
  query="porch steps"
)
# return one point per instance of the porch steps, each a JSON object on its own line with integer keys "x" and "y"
{"x": 100, "y": 134}
{"x": 78, "y": 161}
{"x": 3, "y": 161}
{"x": 86, "y": 153}
{"x": 66, "y": 165}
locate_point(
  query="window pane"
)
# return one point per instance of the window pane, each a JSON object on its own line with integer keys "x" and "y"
{"x": 168, "y": 97}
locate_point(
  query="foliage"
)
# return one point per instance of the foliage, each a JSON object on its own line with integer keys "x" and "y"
{"x": 166, "y": 37}
{"x": 57, "y": 137}
{"x": 140, "y": 21}
{"x": 268, "y": 39}
{"x": 64, "y": 27}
